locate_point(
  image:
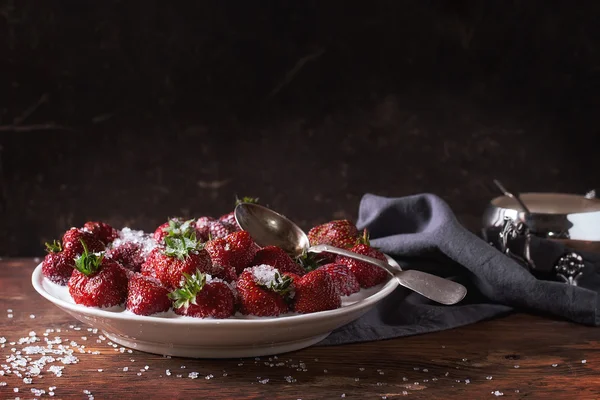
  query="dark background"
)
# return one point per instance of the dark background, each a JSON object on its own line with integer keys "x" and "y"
{"x": 132, "y": 111}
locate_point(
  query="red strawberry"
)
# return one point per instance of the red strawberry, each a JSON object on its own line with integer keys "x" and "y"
{"x": 146, "y": 296}
{"x": 128, "y": 254}
{"x": 262, "y": 291}
{"x": 229, "y": 218}
{"x": 200, "y": 297}
{"x": 73, "y": 238}
{"x": 278, "y": 259}
{"x": 97, "y": 282}
{"x": 203, "y": 227}
{"x": 58, "y": 264}
{"x": 102, "y": 231}
{"x": 316, "y": 291}
{"x": 218, "y": 229}
{"x": 343, "y": 279}
{"x": 338, "y": 233}
{"x": 182, "y": 256}
{"x": 368, "y": 275}
{"x": 236, "y": 250}
{"x": 209, "y": 228}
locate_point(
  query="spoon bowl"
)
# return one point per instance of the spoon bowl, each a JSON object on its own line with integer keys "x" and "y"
{"x": 268, "y": 227}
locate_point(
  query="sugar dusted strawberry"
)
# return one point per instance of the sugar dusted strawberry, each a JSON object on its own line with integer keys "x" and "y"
{"x": 182, "y": 256}
{"x": 263, "y": 291}
{"x": 278, "y": 259}
{"x": 101, "y": 230}
{"x": 58, "y": 264}
{"x": 202, "y": 297}
{"x": 146, "y": 296}
{"x": 343, "y": 279}
{"x": 203, "y": 227}
{"x": 236, "y": 250}
{"x": 97, "y": 282}
{"x": 315, "y": 292}
{"x": 368, "y": 275}
{"x": 129, "y": 255}
{"x": 74, "y": 238}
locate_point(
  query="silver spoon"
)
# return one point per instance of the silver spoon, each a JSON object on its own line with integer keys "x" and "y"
{"x": 268, "y": 227}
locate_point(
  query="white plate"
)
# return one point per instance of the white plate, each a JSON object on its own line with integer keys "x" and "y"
{"x": 239, "y": 336}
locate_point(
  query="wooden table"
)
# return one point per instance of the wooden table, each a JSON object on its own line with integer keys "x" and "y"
{"x": 520, "y": 356}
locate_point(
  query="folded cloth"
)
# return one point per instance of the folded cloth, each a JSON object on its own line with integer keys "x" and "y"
{"x": 421, "y": 232}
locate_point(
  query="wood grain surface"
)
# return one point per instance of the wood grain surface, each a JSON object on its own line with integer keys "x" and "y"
{"x": 520, "y": 356}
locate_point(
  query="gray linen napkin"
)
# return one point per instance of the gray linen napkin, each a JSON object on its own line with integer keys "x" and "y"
{"x": 421, "y": 232}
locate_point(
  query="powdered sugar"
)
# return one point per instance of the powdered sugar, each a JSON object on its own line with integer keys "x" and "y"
{"x": 264, "y": 274}
{"x": 128, "y": 235}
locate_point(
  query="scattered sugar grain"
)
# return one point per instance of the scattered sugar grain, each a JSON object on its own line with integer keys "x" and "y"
{"x": 498, "y": 393}
{"x": 554, "y": 365}
{"x": 343, "y": 395}
{"x": 404, "y": 392}
{"x": 361, "y": 369}
{"x": 125, "y": 369}
{"x": 193, "y": 375}
{"x": 9, "y": 315}
{"x": 100, "y": 370}
{"x": 467, "y": 381}
{"x": 583, "y": 361}
{"x": 264, "y": 381}
{"x": 489, "y": 377}
{"x": 168, "y": 372}
{"x": 32, "y": 316}
{"x": 516, "y": 366}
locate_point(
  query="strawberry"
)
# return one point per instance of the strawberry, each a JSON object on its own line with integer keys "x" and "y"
{"x": 58, "y": 264}
{"x": 278, "y": 259}
{"x": 182, "y": 256}
{"x": 235, "y": 250}
{"x": 203, "y": 227}
{"x": 368, "y": 275}
{"x": 200, "y": 296}
{"x": 262, "y": 291}
{"x": 316, "y": 291}
{"x": 74, "y": 239}
{"x": 343, "y": 279}
{"x": 146, "y": 296}
{"x": 96, "y": 281}
{"x": 128, "y": 254}
{"x": 338, "y": 233}
{"x": 102, "y": 231}
{"x": 209, "y": 228}
{"x": 229, "y": 218}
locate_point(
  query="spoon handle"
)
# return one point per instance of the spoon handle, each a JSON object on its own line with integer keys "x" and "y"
{"x": 433, "y": 287}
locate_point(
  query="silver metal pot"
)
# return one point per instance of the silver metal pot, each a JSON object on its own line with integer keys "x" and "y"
{"x": 572, "y": 218}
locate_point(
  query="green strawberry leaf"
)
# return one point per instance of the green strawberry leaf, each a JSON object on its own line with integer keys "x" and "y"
{"x": 186, "y": 294}
{"x": 309, "y": 261}
{"x": 245, "y": 199}
{"x": 177, "y": 228}
{"x": 54, "y": 247}
{"x": 181, "y": 246}
{"x": 88, "y": 263}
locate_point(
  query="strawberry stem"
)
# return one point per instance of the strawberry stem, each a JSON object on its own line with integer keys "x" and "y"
{"x": 54, "y": 247}
{"x": 88, "y": 263}
{"x": 191, "y": 285}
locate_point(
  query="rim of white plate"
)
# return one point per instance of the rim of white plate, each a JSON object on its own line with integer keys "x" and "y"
{"x": 37, "y": 278}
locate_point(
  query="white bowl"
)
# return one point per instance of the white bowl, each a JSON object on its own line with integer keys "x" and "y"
{"x": 239, "y": 336}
